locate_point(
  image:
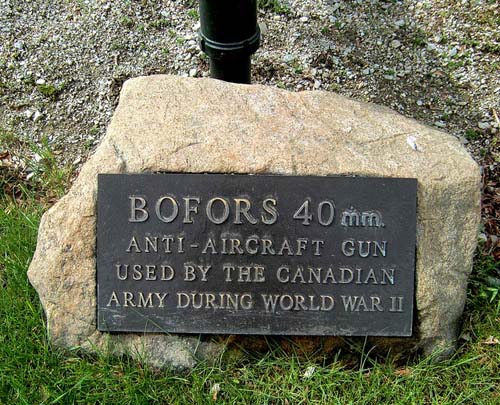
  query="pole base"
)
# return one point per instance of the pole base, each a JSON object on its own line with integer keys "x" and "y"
{"x": 231, "y": 69}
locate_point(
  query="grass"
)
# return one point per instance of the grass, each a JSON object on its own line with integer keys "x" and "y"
{"x": 33, "y": 371}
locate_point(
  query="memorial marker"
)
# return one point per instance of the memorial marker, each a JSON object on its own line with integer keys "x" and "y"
{"x": 246, "y": 254}
{"x": 286, "y": 268}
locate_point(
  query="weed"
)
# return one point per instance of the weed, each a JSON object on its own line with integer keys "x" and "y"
{"x": 491, "y": 47}
{"x": 117, "y": 45}
{"x": 88, "y": 144}
{"x": 472, "y": 135}
{"x": 420, "y": 37}
{"x": 455, "y": 64}
{"x": 190, "y": 3}
{"x": 83, "y": 5}
{"x": 47, "y": 174}
{"x": 15, "y": 120}
{"x": 28, "y": 80}
{"x": 7, "y": 138}
{"x": 443, "y": 40}
{"x": 338, "y": 24}
{"x": 51, "y": 91}
{"x": 126, "y": 21}
{"x": 193, "y": 13}
{"x": 94, "y": 131}
{"x": 159, "y": 24}
{"x": 334, "y": 87}
{"x": 445, "y": 116}
{"x": 297, "y": 68}
{"x": 16, "y": 55}
{"x": 486, "y": 281}
{"x": 276, "y": 6}
{"x": 419, "y": 40}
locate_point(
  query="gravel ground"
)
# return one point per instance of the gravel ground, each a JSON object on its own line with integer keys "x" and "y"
{"x": 62, "y": 64}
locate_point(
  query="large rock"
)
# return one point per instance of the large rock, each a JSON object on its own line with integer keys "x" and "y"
{"x": 173, "y": 124}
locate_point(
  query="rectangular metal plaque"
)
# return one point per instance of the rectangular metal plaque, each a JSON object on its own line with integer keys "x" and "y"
{"x": 251, "y": 254}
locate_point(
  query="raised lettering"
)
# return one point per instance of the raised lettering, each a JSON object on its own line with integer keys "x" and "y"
{"x": 137, "y": 209}
{"x": 133, "y": 244}
{"x": 158, "y": 209}
{"x": 243, "y": 207}
{"x": 113, "y": 300}
{"x": 396, "y": 304}
{"x": 151, "y": 244}
{"x": 188, "y": 219}
{"x": 209, "y": 245}
{"x": 269, "y": 205}
{"x": 210, "y": 211}
{"x": 348, "y": 247}
{"x": 121, "y": 275}
{"x": 145, "y": 301}
{"x": 331, "y": 213}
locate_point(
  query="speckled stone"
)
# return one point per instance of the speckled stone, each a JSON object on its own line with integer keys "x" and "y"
{"x": 174, "y": 124}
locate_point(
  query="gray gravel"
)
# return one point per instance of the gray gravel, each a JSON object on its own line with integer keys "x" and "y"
{"x": 62, "y": 62}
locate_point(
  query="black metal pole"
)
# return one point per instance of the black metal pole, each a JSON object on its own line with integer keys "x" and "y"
{"x": 229, "y": 35}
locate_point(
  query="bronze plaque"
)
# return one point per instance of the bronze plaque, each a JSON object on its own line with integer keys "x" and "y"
{"x": 255, "y": 254}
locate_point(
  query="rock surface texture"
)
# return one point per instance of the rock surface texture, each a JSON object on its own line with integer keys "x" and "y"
{"x": 173, "y": 124}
